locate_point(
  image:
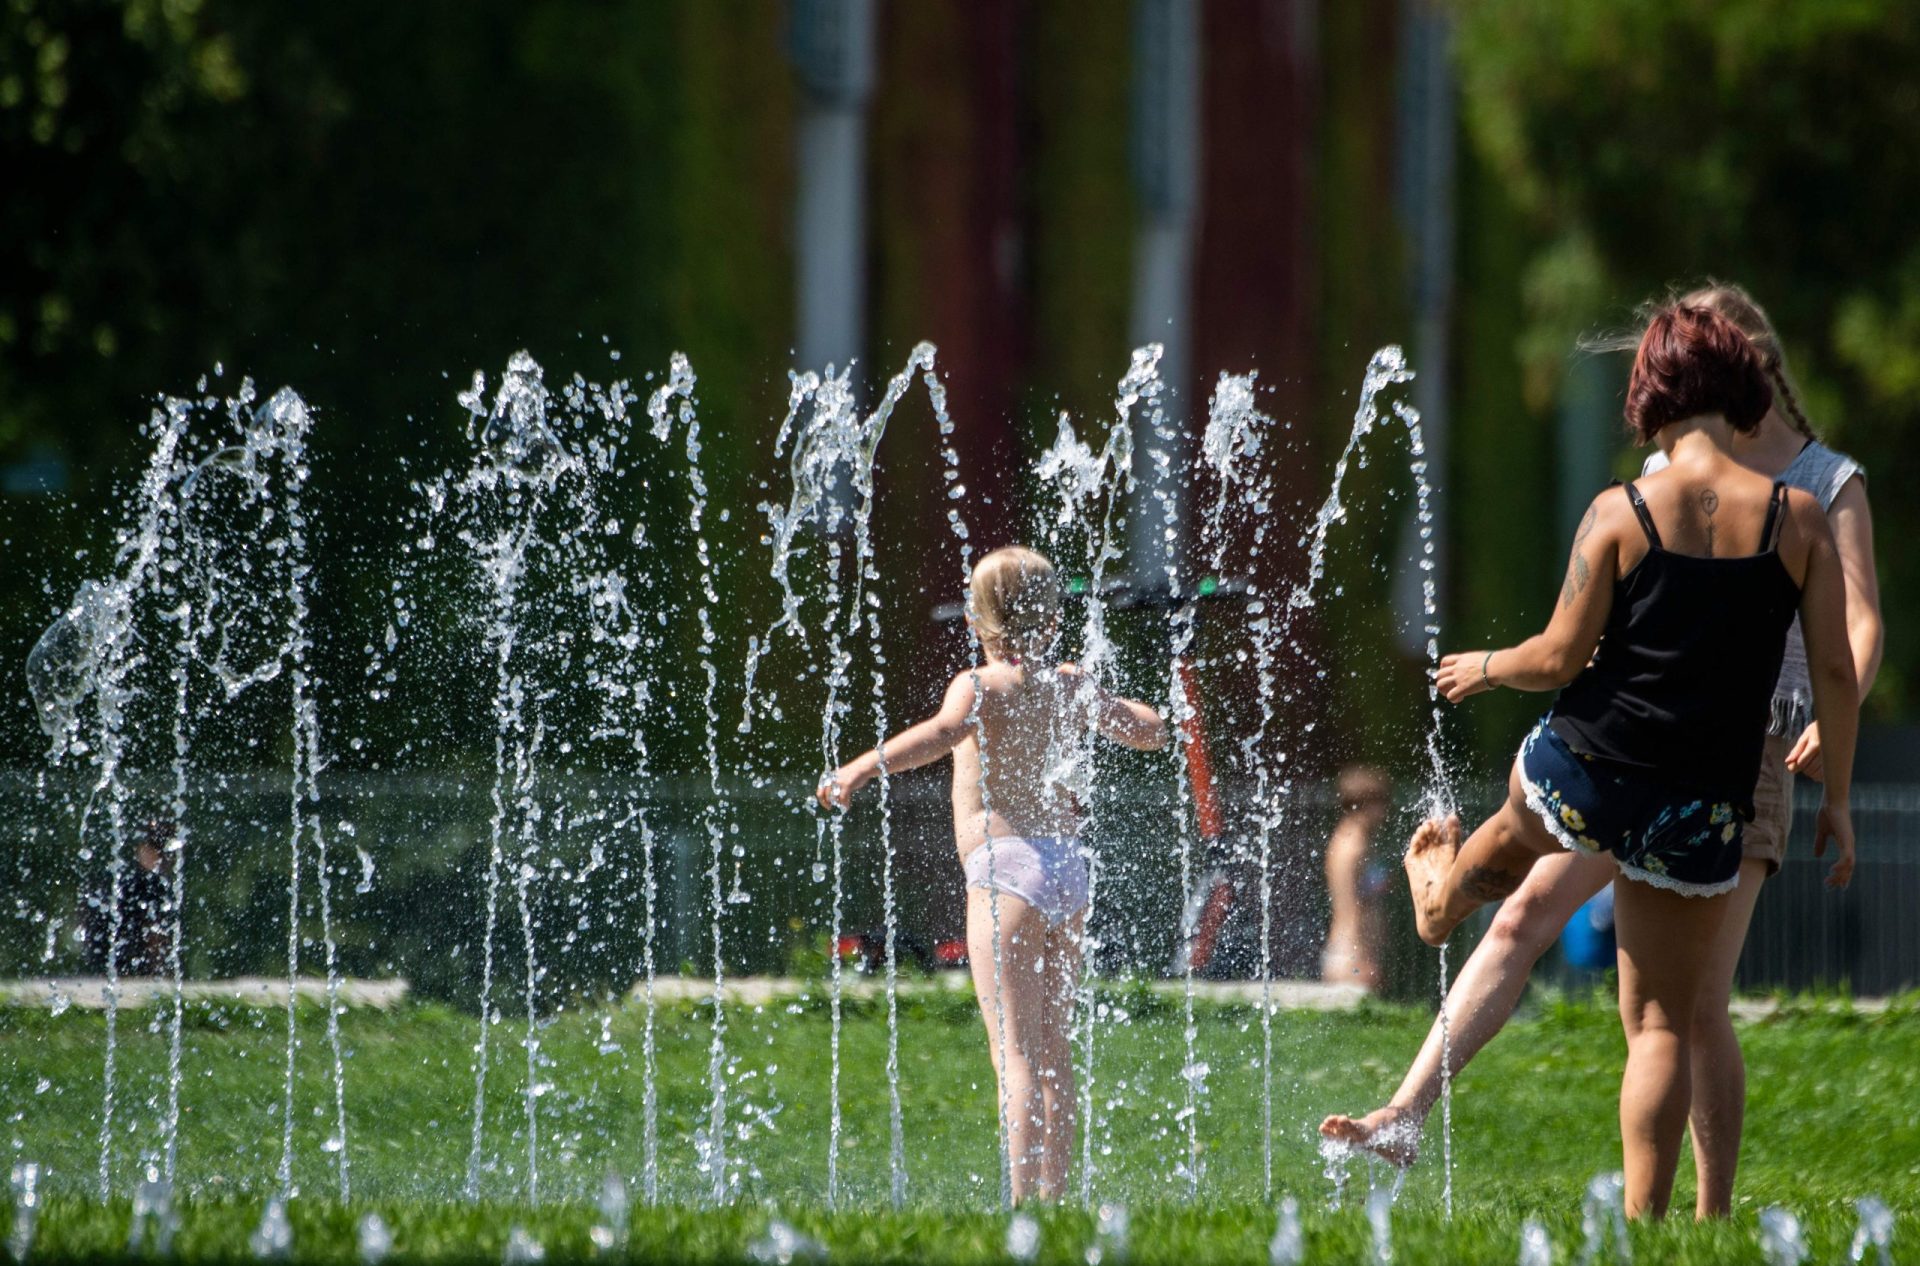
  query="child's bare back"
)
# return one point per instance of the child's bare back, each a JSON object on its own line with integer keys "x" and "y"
{"x": 1031, "y": 723}
{"x": 1018, "y": 725}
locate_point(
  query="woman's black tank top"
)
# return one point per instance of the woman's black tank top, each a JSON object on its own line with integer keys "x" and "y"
{"x": 1681, "y": 681}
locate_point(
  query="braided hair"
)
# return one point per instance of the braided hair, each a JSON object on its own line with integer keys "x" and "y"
{"x": 1783, "y": 392}
{"x": 1739, "y": 307}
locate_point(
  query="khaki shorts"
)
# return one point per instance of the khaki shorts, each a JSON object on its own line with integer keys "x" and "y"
{"x": 1765, "y": 838}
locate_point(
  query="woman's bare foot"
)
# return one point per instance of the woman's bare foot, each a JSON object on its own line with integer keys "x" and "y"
{"x": 1392, "y": 1134}
{"x": 1430, "y": 855}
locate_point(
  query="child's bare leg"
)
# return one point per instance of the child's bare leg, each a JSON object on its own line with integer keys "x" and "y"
{"x": 1481, "y": 1000}
{"x": 1451, "y": 880}
{"x": 1021, "y": 1010}
{"x": 1665, "y": 943}
{"x": 1062, "y": 978}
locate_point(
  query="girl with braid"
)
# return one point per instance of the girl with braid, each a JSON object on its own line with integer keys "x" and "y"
{"x": 1601, "y": 728}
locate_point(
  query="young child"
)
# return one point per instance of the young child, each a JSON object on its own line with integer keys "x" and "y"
{"x": 1018, "y": 727}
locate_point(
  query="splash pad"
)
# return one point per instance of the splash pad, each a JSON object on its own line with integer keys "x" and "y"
{"x": 567, "y": 581}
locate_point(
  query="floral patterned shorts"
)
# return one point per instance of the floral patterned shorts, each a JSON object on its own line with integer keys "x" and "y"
{"x": 1657, "y": 833}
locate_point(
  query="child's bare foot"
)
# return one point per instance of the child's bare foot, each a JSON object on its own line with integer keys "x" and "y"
{"x": 1392, "y": 1134}
{"x": 1429, "y": 857}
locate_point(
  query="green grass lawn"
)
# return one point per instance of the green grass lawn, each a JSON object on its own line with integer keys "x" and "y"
{"x": 1834, "y": 1113}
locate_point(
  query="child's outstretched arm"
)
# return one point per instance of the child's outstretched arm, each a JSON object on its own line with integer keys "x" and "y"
{"x": 1132, "y": 723}
{"x": 913, "y": 747}
{"x": 1125, "y": 721}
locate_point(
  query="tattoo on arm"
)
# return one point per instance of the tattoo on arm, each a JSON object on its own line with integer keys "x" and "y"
{"x": 1487, "y": 883}
{"x": 1578, "y": 573}
{"x": 1586, "y": 525}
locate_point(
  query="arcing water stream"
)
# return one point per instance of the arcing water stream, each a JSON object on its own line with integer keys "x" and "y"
{"x": 218, "y": 550}
{"x": 590, "y": 655}
{"x": 1091, "y": 490}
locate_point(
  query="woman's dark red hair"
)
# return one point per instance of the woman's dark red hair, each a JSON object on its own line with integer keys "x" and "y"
{"x": 1693, "y": 361}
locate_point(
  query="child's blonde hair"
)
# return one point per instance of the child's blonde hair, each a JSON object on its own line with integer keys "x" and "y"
{"x": 1016, "y": 602}
{"x": 1736, "y": 305}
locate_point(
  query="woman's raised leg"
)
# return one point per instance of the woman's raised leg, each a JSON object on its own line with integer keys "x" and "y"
{"x": 1666, "y": 939}
{"x": 1019, "y": 1013}
{"x": 1481, "y": 1000}
{"x": 1449, "y": 880}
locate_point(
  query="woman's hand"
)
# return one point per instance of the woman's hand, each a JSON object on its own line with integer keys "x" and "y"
{"x": 1835, "y": 823}
{"x": 836, "y": 788}
{"x": 1462, "y": 674}
{"x": 1805, "y": 756}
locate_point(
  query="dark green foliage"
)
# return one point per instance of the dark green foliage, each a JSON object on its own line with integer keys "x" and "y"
{"x": 1768, "y": 142}
{"x": 369, "y": 202}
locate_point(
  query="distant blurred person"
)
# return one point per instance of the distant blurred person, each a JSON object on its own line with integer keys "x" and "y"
{"x": 146, "y": 908}
{"x": 1491, "y": 981}
{"x": 1356, "y": 879}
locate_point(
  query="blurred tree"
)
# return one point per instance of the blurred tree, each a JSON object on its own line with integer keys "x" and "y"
{"x": 1647, "y": 143}
{"x": 368, "y": 202}
{"x": 95, "y": 104}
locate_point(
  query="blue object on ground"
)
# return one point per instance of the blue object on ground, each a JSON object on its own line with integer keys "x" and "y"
{"x": 1588, "y": 940}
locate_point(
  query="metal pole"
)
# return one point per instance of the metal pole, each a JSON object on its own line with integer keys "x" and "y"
{"x": 1585, "y": 426}
{"x": 831, "y": 43}
{"x": 1166, "y": 163}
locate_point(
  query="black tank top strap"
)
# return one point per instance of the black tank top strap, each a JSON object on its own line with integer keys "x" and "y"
{"x": 1770, "y": 534}
{"x": 1640, "y": 513}
{"x": 1682, "y": 681}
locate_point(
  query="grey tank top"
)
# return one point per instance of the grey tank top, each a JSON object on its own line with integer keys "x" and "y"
{"x": 1822, "y": 472}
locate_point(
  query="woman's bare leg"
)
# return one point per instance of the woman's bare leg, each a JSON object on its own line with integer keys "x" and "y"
{"x": 1481, "y": 1000}
{"x": 1062, "y": 977}
{"x": 1665, "y": 940}
{"x": 1719, "y": 1105}
{"x": 1022, "y": 1010}
{"x": 1450, "y": 880}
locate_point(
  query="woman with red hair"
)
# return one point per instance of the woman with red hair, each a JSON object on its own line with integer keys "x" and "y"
{"x": 1489, "y": 985}
{"x": 1668, "y": 638}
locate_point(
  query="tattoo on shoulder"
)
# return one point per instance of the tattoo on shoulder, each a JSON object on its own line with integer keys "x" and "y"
{"x": 1487, "y": 883}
